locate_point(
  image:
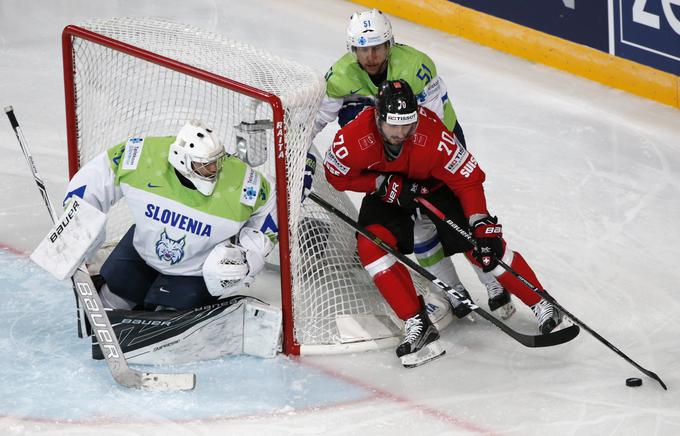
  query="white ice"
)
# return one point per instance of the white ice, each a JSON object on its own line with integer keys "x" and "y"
{"x": 585, "y": 179}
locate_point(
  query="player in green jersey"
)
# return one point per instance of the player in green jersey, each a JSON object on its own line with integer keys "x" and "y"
{"x": 203, "y": 221}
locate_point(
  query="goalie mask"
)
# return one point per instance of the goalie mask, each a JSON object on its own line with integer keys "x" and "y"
{"x": 368, "y": 28}
{"x": 197, "y": 154}
{"x": 396, "y": 114}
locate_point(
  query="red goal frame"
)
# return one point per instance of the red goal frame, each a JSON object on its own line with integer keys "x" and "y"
{"x": 290, "y": 345}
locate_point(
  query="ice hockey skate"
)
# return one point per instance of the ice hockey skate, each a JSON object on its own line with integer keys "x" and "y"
{"x": 421, "y": 341}
{"x": 459, "y": 309}
{"x": 500, "y": 300}
{"x": 549, "y": 316}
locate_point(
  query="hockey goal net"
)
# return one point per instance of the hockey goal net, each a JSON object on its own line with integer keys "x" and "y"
{"x": 129, "y": 77}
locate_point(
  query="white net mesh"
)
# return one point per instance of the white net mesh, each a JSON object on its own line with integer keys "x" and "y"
{"x": 118, "y": 95}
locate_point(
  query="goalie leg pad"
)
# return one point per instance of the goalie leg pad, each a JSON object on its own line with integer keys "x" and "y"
{"x": 237, "y": 325}
{"x": 262, "y": 329}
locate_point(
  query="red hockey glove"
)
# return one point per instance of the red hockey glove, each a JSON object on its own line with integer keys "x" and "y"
{"x": 398, "y": 190}
{"x": 489, "y": 237}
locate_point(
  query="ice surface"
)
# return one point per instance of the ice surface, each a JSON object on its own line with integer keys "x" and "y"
{"x": 585, "y": 179}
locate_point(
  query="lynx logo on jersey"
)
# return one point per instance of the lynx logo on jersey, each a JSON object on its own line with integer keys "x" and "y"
{"x": 251, "y": 186}
{"x": 170, "y": 250}
{"x": 133, "y": 150}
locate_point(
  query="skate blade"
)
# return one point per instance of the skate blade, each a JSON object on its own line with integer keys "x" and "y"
{"x": 428, "y": 353}
{"x": 506, "y": 311}
{"x": 471, "y": 317}
{"x": 564, "y": 323}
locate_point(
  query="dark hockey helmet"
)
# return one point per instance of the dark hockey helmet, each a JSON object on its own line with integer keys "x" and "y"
{"x": 396, "y": 105}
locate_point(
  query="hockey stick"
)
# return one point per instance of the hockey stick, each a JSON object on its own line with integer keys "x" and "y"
{"x": 92, "y": 305}
{"x": 532, "y": 341}
{"x": 541, "y": 292}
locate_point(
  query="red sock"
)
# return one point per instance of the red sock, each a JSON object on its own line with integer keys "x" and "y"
{"x": 512, "y": 284}
{"x": 390, "y": 276}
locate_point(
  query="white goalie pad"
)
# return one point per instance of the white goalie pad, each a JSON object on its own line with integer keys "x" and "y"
{"x": 75, "y": 235}
{"x": 247, "y": 327}
{"x": 262, "y": 329}
{"x": 438, "y": 308}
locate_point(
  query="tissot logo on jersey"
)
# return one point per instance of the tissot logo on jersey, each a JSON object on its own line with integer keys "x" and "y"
{"x": 178, "y": 220}
{"x": 133, "y": 150}
{"x": 457, "y": 161}
{"x": 251, "y": 184}
{"x": 333, "y": 164}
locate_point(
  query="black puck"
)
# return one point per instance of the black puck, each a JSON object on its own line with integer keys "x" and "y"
{"x": 633, "y": 382}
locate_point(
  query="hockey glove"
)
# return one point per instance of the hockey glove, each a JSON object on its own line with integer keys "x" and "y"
{"x": 310, "y": 170}
{"x": 489, "y": 237}
{"x": 401, "y": 191}
{"x": 350, "y": 109}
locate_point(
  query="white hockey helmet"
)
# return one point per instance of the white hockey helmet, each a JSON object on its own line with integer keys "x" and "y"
{"x": 368, "y": 28}
{"x": 196, "y": 148}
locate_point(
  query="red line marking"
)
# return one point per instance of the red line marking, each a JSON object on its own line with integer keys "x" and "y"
{"x": 410, "y": 404}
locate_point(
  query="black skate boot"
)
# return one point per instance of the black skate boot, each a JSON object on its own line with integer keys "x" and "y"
{"x": 499, "y": 298}
{"x": 548, "y": 316}
{"x": 421, "y": 341}
{"x": 458, "y": 308}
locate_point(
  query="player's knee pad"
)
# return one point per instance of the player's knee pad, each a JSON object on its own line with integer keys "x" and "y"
{"x": 427, "y": 246}
{"x": 424, "y": 230}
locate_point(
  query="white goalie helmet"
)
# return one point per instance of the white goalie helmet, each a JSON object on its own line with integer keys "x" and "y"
{"x": 368, "y": 28}
{"x": 197, "y": 154}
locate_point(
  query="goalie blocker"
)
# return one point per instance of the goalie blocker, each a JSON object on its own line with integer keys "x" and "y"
{"x": 237, "y": 325}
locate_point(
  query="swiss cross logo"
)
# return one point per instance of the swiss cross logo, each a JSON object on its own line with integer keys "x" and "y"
{"x": 367, "y": 141}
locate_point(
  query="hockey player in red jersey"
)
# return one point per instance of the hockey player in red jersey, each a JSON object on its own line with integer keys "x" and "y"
{"x": 396, "y": 152}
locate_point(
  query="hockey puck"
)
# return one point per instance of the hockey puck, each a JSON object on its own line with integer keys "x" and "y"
{"x": 633, "y": 382}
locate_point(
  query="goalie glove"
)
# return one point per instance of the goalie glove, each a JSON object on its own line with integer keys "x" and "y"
{"x": 225, "y": 270}
{"x": 230, "y": 268}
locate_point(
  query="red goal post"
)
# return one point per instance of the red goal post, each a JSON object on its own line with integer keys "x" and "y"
{"x": 142, "y": 76}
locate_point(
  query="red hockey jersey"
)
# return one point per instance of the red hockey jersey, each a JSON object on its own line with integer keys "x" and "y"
{"x": 432, "y": 155}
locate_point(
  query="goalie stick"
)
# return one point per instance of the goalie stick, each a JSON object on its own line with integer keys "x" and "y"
{"x": 531, "y": 341}
{"x": 541, "y": 292}
{"x": 93, "y": 308}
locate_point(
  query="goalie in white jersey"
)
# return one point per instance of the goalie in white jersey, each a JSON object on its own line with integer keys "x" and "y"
{"x": 204, "y": 221}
